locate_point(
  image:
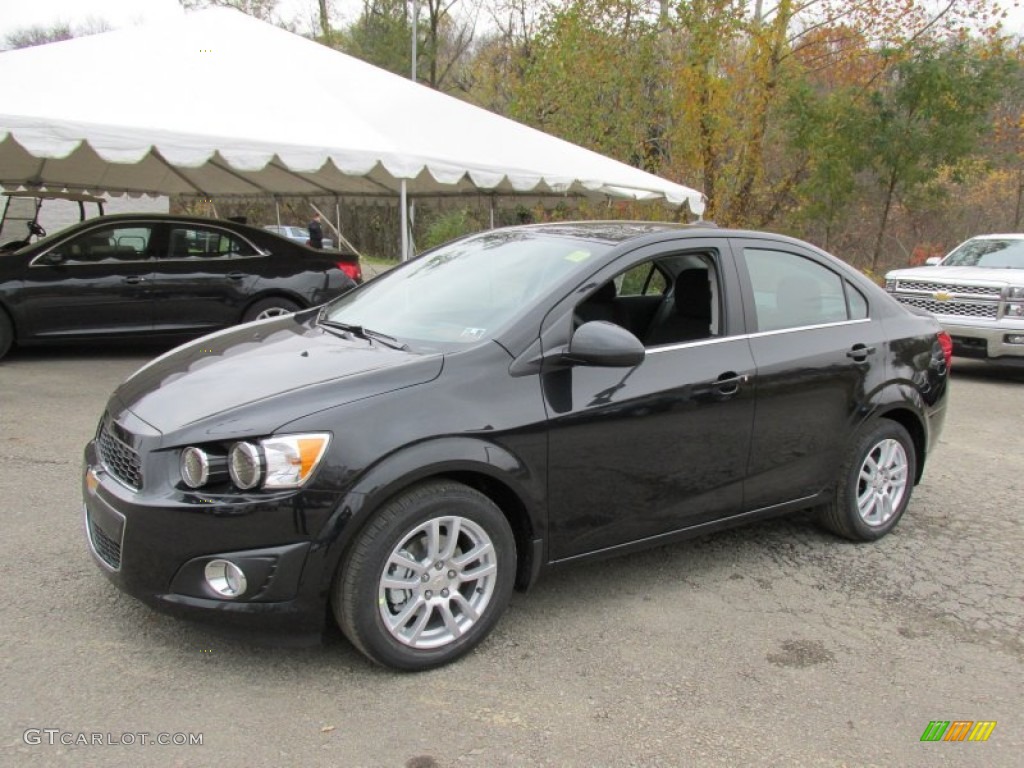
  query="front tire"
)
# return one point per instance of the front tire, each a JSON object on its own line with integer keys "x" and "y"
{"x": 875, "y": 484}
{"x": 428, "y": 578}
{"x": 6, "y": 333}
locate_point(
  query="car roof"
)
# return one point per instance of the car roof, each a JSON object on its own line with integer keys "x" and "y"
{"x": 1007, "y": 236}
{"x": 610, "y": 232}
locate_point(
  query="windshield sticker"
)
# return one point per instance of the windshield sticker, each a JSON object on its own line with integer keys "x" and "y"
{"x": 473, "y": 333}
{"x": 578, "y": 256}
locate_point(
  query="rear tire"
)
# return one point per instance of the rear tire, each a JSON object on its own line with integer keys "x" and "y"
{"x": 6, "y": 333}
{"x": 875, "y": 484}
{"x": 272, "y": 307}
{"x": 428, "y": 578}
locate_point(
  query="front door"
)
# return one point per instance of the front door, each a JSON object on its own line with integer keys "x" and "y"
{"x": 94, "y": 283}
{"x": 640, "y": 452}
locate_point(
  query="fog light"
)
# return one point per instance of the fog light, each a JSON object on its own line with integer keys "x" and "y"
{"x": 225, "y": 578}
{"x": 1014, "y": 338}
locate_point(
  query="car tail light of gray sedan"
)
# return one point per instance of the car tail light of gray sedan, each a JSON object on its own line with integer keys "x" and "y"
{"x": 519, "y": 400}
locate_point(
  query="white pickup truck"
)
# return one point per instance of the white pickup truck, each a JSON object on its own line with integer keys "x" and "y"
{"x": 976, "y": 293}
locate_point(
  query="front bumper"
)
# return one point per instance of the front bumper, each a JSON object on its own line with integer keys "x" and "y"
{"x": 155, "y": 548}
{"x": 983, "y": 341}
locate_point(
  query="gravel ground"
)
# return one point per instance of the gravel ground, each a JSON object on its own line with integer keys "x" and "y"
{"x": 772, "y": 645}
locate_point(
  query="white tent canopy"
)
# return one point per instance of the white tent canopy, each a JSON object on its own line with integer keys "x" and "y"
{"x": 221, "y": 104}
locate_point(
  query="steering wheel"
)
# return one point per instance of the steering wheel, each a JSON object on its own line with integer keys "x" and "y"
{"x": 35, "y": 229}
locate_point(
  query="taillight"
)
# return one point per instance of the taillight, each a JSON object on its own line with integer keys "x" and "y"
{"x": 352, "y": 270}
{"x": 947, "y": 347}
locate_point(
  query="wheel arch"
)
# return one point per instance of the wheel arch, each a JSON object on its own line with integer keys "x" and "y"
{"x": 482, "y": 465}
{"x": 914, "y": 424}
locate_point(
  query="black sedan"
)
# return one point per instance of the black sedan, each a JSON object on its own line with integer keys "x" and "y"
{"x": 511, "y": 402}
{"x": 158, "y": 276}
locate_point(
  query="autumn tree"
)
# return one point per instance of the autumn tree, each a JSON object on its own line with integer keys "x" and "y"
{"x": 40, "y": 35}
{"x": 264, "y": 10}
{"x": 927, "y": 116}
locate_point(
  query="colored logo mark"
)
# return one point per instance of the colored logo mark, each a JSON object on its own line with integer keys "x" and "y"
{"x": 958, "y": 730}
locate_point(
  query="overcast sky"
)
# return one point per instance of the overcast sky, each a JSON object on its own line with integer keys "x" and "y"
{"x": 18, "y": 14}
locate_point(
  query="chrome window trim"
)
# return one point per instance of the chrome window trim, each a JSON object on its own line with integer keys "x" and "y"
{"x": 695, "y": 343}
{"x": 259, "y": 252}
{"x": 758, "y": 334}
{"x": 778, "y": 331}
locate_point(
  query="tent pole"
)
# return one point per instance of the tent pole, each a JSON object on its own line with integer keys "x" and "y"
{"x": 403, "y": 217}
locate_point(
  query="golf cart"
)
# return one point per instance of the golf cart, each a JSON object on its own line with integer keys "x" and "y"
{"x": 19, "y": 221}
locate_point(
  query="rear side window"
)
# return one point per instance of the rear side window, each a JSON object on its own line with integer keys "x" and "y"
{"x": 791, "y": 291}
{"x": 196, "y": 242}
{"x": 857, "y": 303}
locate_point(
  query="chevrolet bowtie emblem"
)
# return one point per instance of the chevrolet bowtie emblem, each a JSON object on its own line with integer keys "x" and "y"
{"x": 942, "y": 296}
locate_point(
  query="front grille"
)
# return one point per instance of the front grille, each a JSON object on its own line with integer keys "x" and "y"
{"x": 108, "y": 549}
{"x": 965, "y": 290}
{"x": 119, "y": 459}
{"x": 955, "y": 308}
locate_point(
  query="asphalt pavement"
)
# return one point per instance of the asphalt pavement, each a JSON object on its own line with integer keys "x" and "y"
{"x": 771, "y": 645}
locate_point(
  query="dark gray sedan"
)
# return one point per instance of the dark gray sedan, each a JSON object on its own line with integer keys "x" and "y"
{"x": 159, "y": 276}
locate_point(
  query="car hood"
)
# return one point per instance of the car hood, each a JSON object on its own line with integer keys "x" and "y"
{"x": 959, "y": 274}
{"x": 256, "y": 377}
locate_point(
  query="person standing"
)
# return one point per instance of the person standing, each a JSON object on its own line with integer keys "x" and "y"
{"x": 316, "y": 232}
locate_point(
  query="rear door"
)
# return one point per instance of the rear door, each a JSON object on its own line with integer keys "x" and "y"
{"x": 203, "y": 278}
{"x": 819, "y": 355}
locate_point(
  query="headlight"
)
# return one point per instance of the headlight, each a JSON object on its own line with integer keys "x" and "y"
{"x": 199, "y": 467}
{"x": 1014, "y": 310}
{"x": 890, "y": 286}
{"x": 195, "y": 467}
{"x": 283, "y": 461}
{"x": 245, "y": 464}
{"x": 1016, "y": 292}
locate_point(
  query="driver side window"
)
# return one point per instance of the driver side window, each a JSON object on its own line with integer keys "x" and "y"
{"x": 670, "y": 300}
{"x": 106, "y": 244}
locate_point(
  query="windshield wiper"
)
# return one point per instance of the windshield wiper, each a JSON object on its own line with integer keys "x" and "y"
{"x": 364, "y": 333}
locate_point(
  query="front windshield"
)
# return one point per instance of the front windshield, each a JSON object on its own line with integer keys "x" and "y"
{"x": 988, "y": 252}
{"x": 465, "y": 291}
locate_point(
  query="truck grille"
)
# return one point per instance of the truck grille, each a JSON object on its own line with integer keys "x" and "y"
{"x": 956, "y": 308}
{"x": 119, "y": 459}
{"x": 963, "y": 290}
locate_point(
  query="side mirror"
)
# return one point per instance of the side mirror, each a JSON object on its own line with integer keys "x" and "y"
{"x": 600, "y": 343}
{"x": 932, "y": 261}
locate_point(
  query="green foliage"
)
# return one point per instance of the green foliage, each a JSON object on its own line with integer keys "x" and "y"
{"x": 928, "y": 116}
{"x": 381, "y": 36}
{"x": 823, "y": 129}
{"x": 450, "y": 225}
{"x": 576, "y": 85}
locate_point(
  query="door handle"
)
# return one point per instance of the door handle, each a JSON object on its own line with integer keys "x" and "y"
{"x": 729, "y": 383}
{"x": 134, "y": 279}
{"x": 236, "y": 275}
{"x": 860, "y": 352}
